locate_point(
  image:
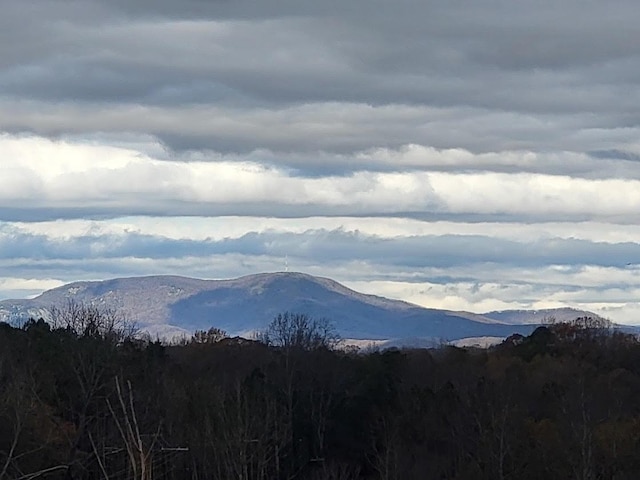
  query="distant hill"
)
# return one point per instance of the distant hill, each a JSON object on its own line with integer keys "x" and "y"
{"x": 170, "y": 305}
{"x": 547, "y": 315}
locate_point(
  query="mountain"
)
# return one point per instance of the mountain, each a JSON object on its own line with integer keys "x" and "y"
{"x": 548, "y": 315}
{"x": 170, "y": 305}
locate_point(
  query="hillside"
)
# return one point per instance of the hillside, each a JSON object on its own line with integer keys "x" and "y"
{"x": 169, "y": 305}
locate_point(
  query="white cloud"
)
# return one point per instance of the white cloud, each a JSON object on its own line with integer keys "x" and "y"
{"x": 62, "y": 174}
{"x": 26, "y": 287}
{"x": 221, "y": 227}
{"x": 618, "y": 304}
{"x": 536, "y": 194}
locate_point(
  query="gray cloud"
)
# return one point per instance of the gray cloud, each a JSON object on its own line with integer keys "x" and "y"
{"x": 335, "y": 246}
{"x": 524, "y": 59}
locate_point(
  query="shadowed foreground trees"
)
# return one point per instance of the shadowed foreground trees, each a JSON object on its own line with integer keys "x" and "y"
{"x": 76, "y": 403}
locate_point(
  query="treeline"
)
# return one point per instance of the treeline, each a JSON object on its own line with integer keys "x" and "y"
{"x": 87, "y": 399}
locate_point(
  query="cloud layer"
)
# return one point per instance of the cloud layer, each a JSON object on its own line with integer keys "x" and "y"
{"x": 472, "y": 156}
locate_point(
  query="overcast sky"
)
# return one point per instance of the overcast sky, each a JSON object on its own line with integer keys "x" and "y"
{"x": 465, "y": 155}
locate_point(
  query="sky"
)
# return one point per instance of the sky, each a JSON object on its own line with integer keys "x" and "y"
{"x": 472, "y": 156}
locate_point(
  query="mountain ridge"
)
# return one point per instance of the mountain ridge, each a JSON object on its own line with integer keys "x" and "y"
{"x": 166, "y": 305}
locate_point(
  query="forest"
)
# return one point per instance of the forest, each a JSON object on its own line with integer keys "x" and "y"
{"x": 85, "y": 397}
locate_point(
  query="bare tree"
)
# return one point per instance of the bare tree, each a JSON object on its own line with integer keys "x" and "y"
{"x": 299, "y": 336}
{"x": 139, "y": 449}
{"x": 91, "y": 321}
{"x": 213, "y": 335}
{"x": 93, "y": 335}
{"x": 299, "y": 331}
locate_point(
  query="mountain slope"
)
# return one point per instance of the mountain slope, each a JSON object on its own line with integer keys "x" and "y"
{"x": 172, "y": 304}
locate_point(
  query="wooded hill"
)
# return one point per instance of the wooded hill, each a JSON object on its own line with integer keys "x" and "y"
{"x": 86, "y": 399}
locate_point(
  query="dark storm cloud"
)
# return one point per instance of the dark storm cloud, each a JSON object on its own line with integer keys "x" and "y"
{"x": 532, "y": 59}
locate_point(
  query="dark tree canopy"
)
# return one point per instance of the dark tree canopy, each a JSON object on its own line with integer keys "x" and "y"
{"x": 80, "y": 402}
